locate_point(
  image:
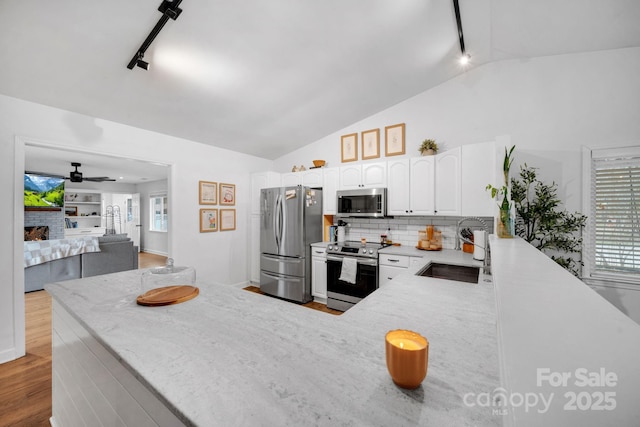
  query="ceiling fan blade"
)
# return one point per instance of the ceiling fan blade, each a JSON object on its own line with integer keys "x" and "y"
{"x": 98, "y": 179}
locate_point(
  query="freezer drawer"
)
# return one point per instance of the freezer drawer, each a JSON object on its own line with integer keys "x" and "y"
{"x": 290, "y": 266}
{"x": 291, "y": 288}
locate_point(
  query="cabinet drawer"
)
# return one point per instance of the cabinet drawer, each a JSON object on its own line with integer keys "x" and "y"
{"x": 395, "y": 260}
{"x": 318, "y": 252}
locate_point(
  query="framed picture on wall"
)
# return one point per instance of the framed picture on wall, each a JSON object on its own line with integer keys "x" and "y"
{"x": 227, "y": 194}
{"x": 370, "y": 144}
{"x": 208, "y": 193}
{"x": 208, "y": 220}
{"x": 349, "y": 147}
{"x": 227, "y": 219}
{"x": 394, "y": 140}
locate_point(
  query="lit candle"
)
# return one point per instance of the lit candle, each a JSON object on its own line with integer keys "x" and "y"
{"x": 407, "y": 355}
{"x": 406, "y": 344}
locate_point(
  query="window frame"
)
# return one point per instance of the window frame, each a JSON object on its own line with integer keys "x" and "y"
{"x": 590, "y": 274}
{"x": 164, "y": 208}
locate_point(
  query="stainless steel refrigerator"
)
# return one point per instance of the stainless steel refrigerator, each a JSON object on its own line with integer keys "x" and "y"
{"x": 290, "y": 220}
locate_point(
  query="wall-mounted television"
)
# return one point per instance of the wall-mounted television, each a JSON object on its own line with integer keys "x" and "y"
{"x": 41, "y": 191}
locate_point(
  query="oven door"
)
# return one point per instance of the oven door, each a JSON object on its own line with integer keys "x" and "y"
{"x": 366, "y": 277}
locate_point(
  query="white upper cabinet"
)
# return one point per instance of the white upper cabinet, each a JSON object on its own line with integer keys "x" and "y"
{"x": 398, "y": 187}
{"x": 369, "y": 175}
{"x": 259, "y": 181}
{"x": 422, "y": 188}
{"x": 312, "y": 178}
{"x": 448, "y": 186}
{"x": 479, "y": 169}
{"x": 291, "y": 179}
{"x": 331, "y": 181}
{"x": 411, "y": 186}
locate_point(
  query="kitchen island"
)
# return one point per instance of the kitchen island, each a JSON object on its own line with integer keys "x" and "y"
{"x": 535, "y": 347}
{"x": 231, "y": 357}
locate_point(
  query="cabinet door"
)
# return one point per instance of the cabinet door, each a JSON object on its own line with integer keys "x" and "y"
{"x": 291, "y": 179}
{"x": 422, "y": 188}
{"x": 319, "y": 275}
{"x": 259, "y": 181}
{"x": 398, "y": 187}
{"x": 350, "y": 177}
{"x": 387, "y": 273}
{"x": 448, "y": 182}
{"x": 331, "y": 181}
{"x": 254, "y": 248}
{"x": 312, "y": 178}
{"x": 374, "y": 175}
{"x": 478, "y": 170}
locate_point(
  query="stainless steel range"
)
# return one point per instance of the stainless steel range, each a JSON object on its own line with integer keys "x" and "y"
{"x": 344, "y": 294}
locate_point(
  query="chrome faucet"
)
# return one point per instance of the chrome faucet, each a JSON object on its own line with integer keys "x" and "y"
{"x": 486, "y": 263}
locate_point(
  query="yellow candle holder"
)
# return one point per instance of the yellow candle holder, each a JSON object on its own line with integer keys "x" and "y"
{"x": 407, "y": 355}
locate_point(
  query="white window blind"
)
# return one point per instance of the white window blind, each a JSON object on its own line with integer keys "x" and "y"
{"x": 615, "y": 216}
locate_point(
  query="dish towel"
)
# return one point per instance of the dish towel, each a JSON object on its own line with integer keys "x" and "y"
{"x": 349, "y": 270}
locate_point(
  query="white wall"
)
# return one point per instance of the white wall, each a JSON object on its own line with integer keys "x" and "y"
{"x": 210, "y": 253}
{"x": 152, "y": 241}
{"x": 549, "y": 106}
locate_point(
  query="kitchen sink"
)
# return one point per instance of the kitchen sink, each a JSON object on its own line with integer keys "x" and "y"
{"x": 459, "y": 273}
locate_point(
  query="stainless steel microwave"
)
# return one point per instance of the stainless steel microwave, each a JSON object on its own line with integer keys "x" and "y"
{"x": 363, "y": 202}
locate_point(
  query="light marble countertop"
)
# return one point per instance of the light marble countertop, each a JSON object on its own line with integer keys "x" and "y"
{"x": 550, "y": 324}
{"x": 236, "y": 357}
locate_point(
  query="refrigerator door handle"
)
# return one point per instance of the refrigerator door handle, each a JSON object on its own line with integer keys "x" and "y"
{"x": 278, "y": 222}
{"x": 283, "y": 278}
{"x": 283, "y": 221}
{"x": 282, "y": 259}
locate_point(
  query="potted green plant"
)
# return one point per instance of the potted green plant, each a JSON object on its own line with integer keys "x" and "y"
{"x": 428, "y": 147}
{"x": 542, "y": 222}
{"x": 505, "y": 228}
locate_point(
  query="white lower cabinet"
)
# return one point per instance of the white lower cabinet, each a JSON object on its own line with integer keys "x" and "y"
{"x": 392, "y": 265}
{"x": 319, "y": 274}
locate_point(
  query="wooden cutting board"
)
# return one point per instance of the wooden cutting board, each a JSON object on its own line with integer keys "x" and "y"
{"x": 168, "y": 295}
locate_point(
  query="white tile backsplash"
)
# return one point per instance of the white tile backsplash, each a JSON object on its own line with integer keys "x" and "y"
{"x": 405, "y": 230}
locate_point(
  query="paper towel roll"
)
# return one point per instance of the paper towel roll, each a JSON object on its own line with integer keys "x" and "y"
{"x": 341, "y": 234}
{"x": 478, "y": 246}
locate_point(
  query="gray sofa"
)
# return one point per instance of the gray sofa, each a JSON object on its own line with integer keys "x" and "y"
{"x": 116, "y": 254}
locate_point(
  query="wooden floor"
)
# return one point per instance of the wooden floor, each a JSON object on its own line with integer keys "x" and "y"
{"x": 147, "y": 260}
{"x": 314, "y": 305}
{"x": 25, "y": 383}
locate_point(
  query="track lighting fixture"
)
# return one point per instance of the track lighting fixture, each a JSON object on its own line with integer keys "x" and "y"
{"x": 464, "y": 59}
{"x": 169, "y": 10}
{"x": 140, "y": 62}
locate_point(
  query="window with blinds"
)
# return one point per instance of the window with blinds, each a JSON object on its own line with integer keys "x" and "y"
{"x": 615, "y": 216}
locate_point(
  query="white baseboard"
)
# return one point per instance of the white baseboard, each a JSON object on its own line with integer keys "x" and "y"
{"x": 151, "y": 251}
{"x": 9, "y": 355}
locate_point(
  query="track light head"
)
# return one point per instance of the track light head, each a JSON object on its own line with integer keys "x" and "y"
{"x": 465, "y": 58}
{"x": 169, "y": 10}
{"x": 142, "y": 64}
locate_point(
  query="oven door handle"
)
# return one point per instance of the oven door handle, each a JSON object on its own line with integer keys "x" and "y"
{"x": 364, "y": 261}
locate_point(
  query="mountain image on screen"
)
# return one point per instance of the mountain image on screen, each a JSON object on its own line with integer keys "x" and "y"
{"x": 43, "y": 191}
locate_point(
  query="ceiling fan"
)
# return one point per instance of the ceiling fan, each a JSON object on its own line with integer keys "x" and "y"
{"x": 76, "y": 176}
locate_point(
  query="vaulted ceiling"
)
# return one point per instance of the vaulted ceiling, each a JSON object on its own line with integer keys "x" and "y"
{"x": 265, "y": 78}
